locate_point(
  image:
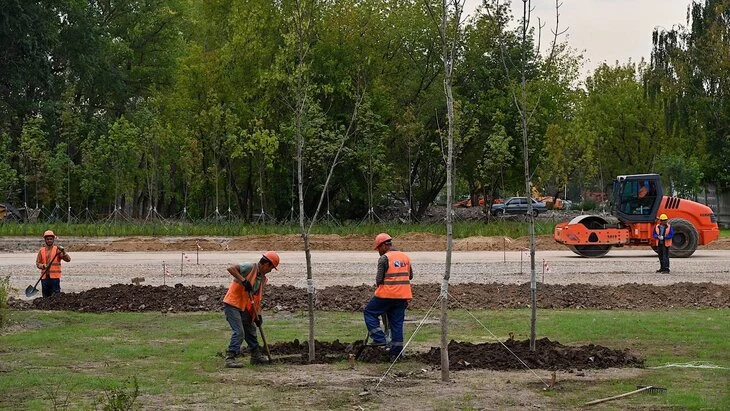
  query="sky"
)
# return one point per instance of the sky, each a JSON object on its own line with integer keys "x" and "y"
{"x": 605, "y": 30}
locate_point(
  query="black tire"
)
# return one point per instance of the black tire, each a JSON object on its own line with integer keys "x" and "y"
{"x": 502, "y": 212}
{"x": 535, "y": 212}
{"x": 685, "y": 240}
{"x": 592, "y": 250}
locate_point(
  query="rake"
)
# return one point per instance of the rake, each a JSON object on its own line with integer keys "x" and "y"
{"x": 639, "y": 388}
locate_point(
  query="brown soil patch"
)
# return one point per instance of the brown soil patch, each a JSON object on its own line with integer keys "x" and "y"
{"x": 548, "y": 355}
{"x": 123, "y": 297}
{"x": 293, "y": 242}
{"x": 353, "y": 242}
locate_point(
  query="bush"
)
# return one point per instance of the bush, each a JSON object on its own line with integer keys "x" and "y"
{"x": 587, "y": 205}
{"x": 121, "y": 398}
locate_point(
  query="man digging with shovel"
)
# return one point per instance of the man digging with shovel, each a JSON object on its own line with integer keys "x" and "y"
{"x": 48, "y": 261}
{"x": 242, "y": 307}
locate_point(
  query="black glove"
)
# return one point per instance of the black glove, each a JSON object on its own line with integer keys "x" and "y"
{"x": 258, "y": 321}
{"x": 247, "y": 286}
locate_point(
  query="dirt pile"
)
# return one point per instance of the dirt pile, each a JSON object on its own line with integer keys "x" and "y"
{"x": 548, "y": 355}
{"x": 123, "y": 297}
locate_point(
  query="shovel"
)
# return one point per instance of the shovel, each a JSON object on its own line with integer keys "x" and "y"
{"x": 33, "y": 290}
{"x": 263, "y": 339}
{"x": 367, "y": 336}
{"x": 261, "y": 329}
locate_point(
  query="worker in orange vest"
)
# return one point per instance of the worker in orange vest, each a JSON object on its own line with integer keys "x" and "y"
{"x": 663, "y": 234}
{"x": 48, "y": 261}
{"x": 392, "y": 294}
{"x": 242, "y": 306}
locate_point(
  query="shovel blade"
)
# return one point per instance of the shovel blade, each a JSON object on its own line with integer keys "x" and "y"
{"x": 31, "y": 291}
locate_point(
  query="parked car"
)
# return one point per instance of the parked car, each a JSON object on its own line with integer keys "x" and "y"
{"x": 518, "y": 205}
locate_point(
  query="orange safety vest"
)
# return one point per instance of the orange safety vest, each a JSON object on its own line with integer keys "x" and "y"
{"x": 667, "y": 241}
{"x": 237, "y": 296}
{"x": 396, "y": 283}
{"x": 44, "y": 256}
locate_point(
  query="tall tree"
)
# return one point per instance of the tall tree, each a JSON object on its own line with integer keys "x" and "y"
{"x": 450, "y": 32}
{"x": 628, "y": 127}
{"x": 8, "y": 175}
{"x": 691, "y": 77}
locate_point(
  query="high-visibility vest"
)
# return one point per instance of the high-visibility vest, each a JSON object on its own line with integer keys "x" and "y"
{"x": 237, "y": 296}
{"x": 396, "y": 282}
{"x": 44, "y": 255}
{"x": 667, "y": 241}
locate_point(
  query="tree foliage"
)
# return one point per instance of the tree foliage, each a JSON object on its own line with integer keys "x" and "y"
{"x": 187, "y": 107}
{"x": 690, "y": 76}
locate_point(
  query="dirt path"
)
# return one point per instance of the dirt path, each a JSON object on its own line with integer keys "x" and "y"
{"x": 408, "y": 242}
{"x": 102, "y": 269}
{"x": 101, "y": 262}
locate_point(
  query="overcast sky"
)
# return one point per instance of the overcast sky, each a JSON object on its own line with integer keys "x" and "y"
{"x": 607, "y": 30}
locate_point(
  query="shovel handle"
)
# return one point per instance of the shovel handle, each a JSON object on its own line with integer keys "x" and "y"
{"x": 266, "y": 346}
{"x": 260, "y": 327}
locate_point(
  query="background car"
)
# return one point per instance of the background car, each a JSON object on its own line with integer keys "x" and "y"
{"x": 517, "y": 205}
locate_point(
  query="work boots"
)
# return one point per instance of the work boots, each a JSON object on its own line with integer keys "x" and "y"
{"x": 257, "y": 356}
{"x": 231, "y": 360}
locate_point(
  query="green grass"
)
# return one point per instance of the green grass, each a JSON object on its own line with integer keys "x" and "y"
{"x": 461, "y": 229}
{"x": 48, "y": 356}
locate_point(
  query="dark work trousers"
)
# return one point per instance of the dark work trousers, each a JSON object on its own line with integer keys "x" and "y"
{"x": 50, "y": 286}
{"x": 663, "y": 256}
{"x": 242, "y": 328}
{"x": 395, "y": 310}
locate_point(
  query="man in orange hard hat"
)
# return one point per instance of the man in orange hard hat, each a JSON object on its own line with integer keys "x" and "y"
{"x": 48, "y": 261}
{"x": 392, "y": 294}
{"x": 663, "y": 234}
{"x": 242, "y": 306}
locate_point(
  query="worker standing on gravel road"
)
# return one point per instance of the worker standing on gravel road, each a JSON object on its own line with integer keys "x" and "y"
{"x": 242, "y": 306}
{"x": 392, "y": 294}
{"x": 48, "y": 261}
{"x": 663, "y": 233}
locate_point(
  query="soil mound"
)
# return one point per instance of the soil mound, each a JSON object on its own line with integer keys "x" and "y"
{"x": 548, "y": 355}
{"x": 127, "y": 297}
{"x": 293, "y": 242}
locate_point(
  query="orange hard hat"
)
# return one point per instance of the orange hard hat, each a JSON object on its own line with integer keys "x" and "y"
{"x": 48, "y": 233}
{"x": 272, "y": 257}
{"x": 381, "y": 238}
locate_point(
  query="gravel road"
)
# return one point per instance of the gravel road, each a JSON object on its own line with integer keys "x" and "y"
{"x": 101, "y": 269}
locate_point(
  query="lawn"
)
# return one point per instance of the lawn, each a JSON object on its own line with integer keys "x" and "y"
{"x": 68, "y": 360}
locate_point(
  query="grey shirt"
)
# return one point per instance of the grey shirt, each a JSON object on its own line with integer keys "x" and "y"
{"x": 244, "y": 269}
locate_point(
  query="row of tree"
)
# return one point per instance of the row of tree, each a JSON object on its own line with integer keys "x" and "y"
{"x": 172, "y": 105}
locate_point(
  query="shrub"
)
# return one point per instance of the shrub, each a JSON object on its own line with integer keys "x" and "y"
{"x": 121, "y": 399}
{"x": 587, "y": 204}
